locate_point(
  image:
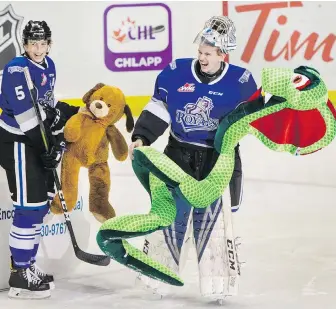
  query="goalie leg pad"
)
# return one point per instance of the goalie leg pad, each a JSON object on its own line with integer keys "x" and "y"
{"x": 209, "y": 237}
{"x": 204, "y": 220}
{"x": 166, "y": 246}
{"x": 175, "y": 235}
{"x": 213, "y": 250}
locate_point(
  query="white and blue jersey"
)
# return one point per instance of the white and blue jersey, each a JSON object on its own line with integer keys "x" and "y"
{"x": 194, "y": 109}
{"x": 193, "y": 105}
{"x": 18, "y": 115}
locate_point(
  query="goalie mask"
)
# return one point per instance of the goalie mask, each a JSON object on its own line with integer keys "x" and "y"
{"x": 218, "y": 31}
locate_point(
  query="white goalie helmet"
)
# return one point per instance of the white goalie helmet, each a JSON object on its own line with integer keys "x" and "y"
{"x": 218, "y": 31}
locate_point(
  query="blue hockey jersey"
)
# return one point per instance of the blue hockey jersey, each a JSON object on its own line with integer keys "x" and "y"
{"x": 195, "y": 109}
{"x": 18, "y": 115}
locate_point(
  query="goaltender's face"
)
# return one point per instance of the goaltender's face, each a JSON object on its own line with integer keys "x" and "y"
{"x": 37, "y": 50}
{"x": 210, "y": 58}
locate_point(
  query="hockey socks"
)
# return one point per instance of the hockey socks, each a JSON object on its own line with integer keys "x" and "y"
{"x": 25, "y": 233}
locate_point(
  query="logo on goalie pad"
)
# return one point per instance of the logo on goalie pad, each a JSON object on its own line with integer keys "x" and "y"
{"x": 146, "y": 247}
{"x": 10, "y": 27}
{"x": 232, "y": 281}
{"x": 231, "y": 255}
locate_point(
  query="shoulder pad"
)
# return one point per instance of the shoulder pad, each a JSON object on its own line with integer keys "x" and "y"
{"x": 16, "y": 65}
{"x": 173, "y": 65}
{"x": 14, "y": 68}
{"x": 180, "y": 62}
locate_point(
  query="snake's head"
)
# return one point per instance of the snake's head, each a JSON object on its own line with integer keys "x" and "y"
{"x": 302, "y": 87}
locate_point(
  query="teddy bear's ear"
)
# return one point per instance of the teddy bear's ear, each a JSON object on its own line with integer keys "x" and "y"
{"x": 86, "y": 97}
{"x": 129, "y": 119}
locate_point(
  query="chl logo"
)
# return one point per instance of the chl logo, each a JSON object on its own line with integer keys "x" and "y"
{"x": 196, "y": 116}
{"x": 130, "y": 31}
{"x": 10, "y": 27}
{"x": 187, "y": 88}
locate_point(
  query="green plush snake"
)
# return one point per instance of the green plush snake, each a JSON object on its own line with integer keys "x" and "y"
{"x": 298, "y": 119}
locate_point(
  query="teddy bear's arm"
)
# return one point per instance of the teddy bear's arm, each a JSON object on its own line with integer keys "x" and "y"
{"x": 118, "y": 143}
{"x": 72, "y": 129}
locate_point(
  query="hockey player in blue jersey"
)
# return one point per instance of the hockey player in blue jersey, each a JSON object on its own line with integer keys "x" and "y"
{"x": 24, "y": 158}
{"x": 192, "y": 96}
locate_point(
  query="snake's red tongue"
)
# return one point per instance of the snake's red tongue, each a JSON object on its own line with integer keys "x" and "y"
{"x": 288, "y": 126}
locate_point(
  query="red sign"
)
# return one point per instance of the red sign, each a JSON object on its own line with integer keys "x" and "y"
{"x": 307, "y": 46}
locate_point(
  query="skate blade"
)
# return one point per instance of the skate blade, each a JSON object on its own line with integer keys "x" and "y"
{"x": 221, "y": 302}
{"x": 219, "y": 299}
{"x": 151, "y": 291}
{"x": 16, "y": 293}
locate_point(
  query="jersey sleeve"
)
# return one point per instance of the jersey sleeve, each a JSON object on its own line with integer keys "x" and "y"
{"x": 155, "y": 118}
{"x": 160, "y": 89}
{"x": 15, "y": 89}
{"x": 249, "y": 87}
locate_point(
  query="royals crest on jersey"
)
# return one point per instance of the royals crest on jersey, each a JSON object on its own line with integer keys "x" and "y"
{"x": 10, "y": 27}
{"x": 48, "y": 99}
{"x": 196, "y": 116}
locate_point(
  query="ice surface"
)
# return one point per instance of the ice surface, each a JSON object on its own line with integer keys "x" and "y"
{"x": 289, "y": 237}
{"x": 287, "y": 227}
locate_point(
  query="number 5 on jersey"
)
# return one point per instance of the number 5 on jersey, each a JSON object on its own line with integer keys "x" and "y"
{"x": 20, "y": 93}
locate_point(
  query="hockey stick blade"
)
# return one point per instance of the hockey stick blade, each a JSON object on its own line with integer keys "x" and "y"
{"x": 99, "y": 260}
{"x": 95, "y": 259}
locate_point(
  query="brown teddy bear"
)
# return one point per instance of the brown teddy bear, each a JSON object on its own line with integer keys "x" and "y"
{"x": 88, "y": 134}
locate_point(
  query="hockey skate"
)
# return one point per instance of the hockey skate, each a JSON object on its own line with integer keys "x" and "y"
{"x": 46, "y": 278}
{"x": 151, "y": 287}
{"x": 25, "y": 284}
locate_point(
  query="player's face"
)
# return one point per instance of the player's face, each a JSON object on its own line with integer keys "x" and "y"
{"x": 209, "y": 58}
{"x": 37, "y": 50}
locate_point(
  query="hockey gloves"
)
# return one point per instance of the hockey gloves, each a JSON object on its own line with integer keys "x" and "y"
{"x": 52, "y": 158}
{"x": 56, "y": 122}
{"x": 55, "y": 119}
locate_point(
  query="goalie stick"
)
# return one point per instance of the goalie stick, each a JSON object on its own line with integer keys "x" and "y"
{"x": 95, "y": 259}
